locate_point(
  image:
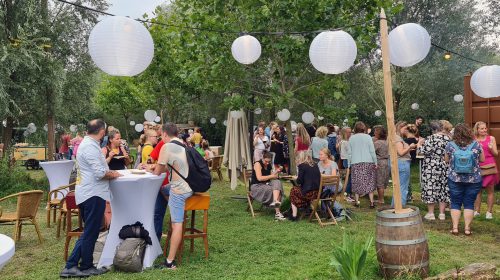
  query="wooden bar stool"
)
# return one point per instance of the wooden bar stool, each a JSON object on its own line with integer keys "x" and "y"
{"x": 70, "y": 205}
{"x": 200, "y": 202}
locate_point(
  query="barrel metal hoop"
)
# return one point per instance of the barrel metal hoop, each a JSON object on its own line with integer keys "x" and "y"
{"x": 404, "y": 267}
{"x": 398, "y": 224}
{"x": 401, "y": 242}
{"x": 415, "y": 212}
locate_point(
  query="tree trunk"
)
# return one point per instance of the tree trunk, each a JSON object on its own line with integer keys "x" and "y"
{"x": 49, "y": 93}
{"x": 51, "y": 135}
{"x": 126, "y": 127}
{"x": 7, "y": 134}
{"x": 292, "y": 169}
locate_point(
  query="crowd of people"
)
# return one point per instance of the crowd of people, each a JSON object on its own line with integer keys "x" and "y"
{"x": 362, "y": 154}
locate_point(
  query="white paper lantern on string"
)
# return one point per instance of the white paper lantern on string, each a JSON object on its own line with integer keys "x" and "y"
{"x": 132, "y": 123}
{"x": 150, "y": 115}
{"x": 333, "y": 52}
{"x": 158, "y": 119}
{"x": 378, "y": 113}
{"x": 307, "y": 117}
{"x": 31, "y": 128}
{"x": 26, "y": 133}
{"x": 73, "y": 128}
{"x": 46, "y": 127}
{"x": 283, "y": 115}
{"x": 485, "y": 81}
{"x": 236, "y": 114}
{"x": 258, "y": 111}
{"x": 139, "y": 127}
{"x": 246, "y": 49}
{"x": 408, "y": 44}
{"x": 458, "y": 98}
{"x": 4, "y": 123}
{"x": 213, "y": 120}
{"x": 415, "y": 106}
{"x": 224, "y": 122}
{"x": 121, "y": 46}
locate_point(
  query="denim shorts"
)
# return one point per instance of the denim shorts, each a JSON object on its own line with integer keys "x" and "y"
{"x": 463, "y": 194}
{"x": 176, "y": 203}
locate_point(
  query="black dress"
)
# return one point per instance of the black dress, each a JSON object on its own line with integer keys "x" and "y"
{"x": 413, "y": 153}
{"x": 277, "y": 149}
{"x": 116, "y": 163}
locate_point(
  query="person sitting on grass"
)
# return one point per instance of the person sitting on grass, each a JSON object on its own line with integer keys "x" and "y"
{"x": 308, "y": 182}
{"x": 265, "y": 186}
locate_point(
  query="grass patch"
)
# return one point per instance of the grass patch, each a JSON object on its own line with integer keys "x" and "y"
{"x": 261, "y": 248}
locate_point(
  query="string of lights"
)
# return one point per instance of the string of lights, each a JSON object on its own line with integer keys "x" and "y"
{"x": 448, "y": 51}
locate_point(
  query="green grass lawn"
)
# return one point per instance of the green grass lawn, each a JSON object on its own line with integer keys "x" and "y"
{"x": 245, "y": 248}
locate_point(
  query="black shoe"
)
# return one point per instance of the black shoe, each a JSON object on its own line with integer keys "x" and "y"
{"x": 169, "y": 265}
{"x": 73, "y": 272}
{"x": 95, "y": 271}
{"x": 293, "y": 219}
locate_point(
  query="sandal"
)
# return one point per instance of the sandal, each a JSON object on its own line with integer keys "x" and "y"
{"x": 372, "y": 205}
{"x": 468, "y": 232}
{"x": 454, "y": 231}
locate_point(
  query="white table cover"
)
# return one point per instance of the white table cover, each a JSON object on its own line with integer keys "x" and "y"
{"x": 58, "y": 172}
{"x": 133, "y": 199}
{"x": 7, "y": 249}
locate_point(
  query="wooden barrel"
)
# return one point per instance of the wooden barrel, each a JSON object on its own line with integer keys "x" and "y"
{"x": 401, "y": 243}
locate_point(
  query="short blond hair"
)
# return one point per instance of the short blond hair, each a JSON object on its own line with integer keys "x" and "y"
{"x": 322, "y": 132}
{"x": 447, "y": 126}
{"x": 304, "y": 157}
{"x": 475, "y": 130}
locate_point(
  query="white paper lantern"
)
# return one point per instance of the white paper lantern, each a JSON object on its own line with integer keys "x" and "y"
{"x": 132, "y": 123}
{"x": 283, "y": 115}
{"x": 258, "y": 111}
{"x": 415, "y": 106}
{"x": 139, "y": 127}
{"x": 408, "y": 44}
{"x": 150, "y": 115}
{"x": 121, "y": 46}
{"x": 458, "y": 98}
{"x": 236, "y": 114}
{"x": 320, "y": 118}
{"x": 46, "y": 127}
{"x": 26, "y": 133}
{"x": 307, "y": 117}
{"x": 73, "y": 128}
{"x": 31, "y": 128}
{"x": 157, "y": 119}
{"x": 378, "y": 113}
{"x": 224, "y": 122}
{"x": 246, "y": 49}
{"x": 333, "y": 52}
{"x": 213, "y": 120}
{"x": 485, "y": 81}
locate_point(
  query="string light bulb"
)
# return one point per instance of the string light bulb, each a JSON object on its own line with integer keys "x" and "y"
{"x": 447, "y": 56}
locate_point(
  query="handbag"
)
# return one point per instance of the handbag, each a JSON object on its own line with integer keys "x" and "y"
{"x": 489, "y": 169}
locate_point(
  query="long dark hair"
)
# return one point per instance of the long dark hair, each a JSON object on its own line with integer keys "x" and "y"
{"x": 462, "y": 135}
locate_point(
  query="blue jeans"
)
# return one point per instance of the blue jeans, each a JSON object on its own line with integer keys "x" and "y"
{"x": 348, "y": 190}
{"x": 160, "y": 209}
{"x": 92, "y": 211}
{"x": 463, "y": 194}
{"x": 404, "y": 179}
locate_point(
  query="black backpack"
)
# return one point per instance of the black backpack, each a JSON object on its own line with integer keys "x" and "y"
{"x": 199, "y": 178}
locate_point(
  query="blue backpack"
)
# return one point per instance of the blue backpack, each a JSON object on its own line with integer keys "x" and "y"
{"x": 463, "y": 160}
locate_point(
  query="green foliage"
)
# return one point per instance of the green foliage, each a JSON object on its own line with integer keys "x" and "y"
{"x": 14, "y": 180}
{"x": 349, "y": 259}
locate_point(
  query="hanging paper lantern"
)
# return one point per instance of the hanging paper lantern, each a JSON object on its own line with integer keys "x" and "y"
{"x": 150, "y": 115}
{"x": 408, "y": 44}
{"x": 139, "y": 127}
{"x": 283, "y": 115}
{"x": 46, "y": 127}
{"x": 224, "y": 122}
{"x": 121, "y": 46}
{"x": 132, "y": 123}
{"x": 4, "y": 123}
{"x": 213, "y": 120}
{"x": 73, "y": 128}
{"x": 485, "y": 81}
{"x": 246, "y": 49}
{"x": 333, "y": 52}
{"x": 415, "y": 106}
{"x": 31, "y": 128}
{"x": 258, "y": 111}
{"x": 157, "y": 119}
{"x": 378, "y": 113}
{"x": 458, "y": 98}
{"x": 236, "y": 114}
{"x": 307, "y": 117}
{"x": 26, "y": 133}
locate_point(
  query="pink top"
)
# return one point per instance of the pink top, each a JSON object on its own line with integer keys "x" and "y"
{"x": 76, "y": 143}
{"x": 489, "y": 158}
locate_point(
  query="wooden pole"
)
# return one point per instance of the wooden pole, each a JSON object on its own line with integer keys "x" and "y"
{"x": 389, "y": 113}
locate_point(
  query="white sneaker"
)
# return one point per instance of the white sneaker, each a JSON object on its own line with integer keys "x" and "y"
{"x": 489, "y": 215}
{"x": 441, "y": 217}
{"x": 476, "y": 214}
{"x": 430, "y": 217}
{"x": 279, "y": 217}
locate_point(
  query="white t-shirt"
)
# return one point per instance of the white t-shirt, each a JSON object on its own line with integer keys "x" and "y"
{"x": 175, "y": 155}
{"x": 261, "y": 143}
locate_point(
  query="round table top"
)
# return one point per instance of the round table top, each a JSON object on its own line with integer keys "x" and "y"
{"x": 7, "y": 248}
{"x": 129, "y": 176}
{"x": 55, "y": 162}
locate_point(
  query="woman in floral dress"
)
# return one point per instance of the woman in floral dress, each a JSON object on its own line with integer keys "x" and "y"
{"x": 434, "y": 171}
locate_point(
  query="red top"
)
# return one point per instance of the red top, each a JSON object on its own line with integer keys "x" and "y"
{"x": 301, "y": 146}
{"x": 64, "y": 148}
{"x": 155, "y": 154}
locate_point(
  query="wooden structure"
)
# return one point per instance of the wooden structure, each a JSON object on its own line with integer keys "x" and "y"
{"x": 54, "y": 203}
{"x": 247, "y": 177}
{"x": 70, "y": 206}
{"x": 401, "y": 243}
{"x": 215, "y": 166}
{"x": 482, "y": 109}
{"x": 326, "y": 180}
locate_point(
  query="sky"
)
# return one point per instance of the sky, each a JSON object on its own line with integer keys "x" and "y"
{"x": 134, "y": 8}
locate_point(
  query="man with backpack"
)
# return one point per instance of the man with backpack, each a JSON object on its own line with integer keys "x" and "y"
{"x": 188, "y": 172}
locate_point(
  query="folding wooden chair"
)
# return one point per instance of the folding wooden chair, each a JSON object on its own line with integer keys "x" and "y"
{"x": 247, "y": 177}
{"x": 215, "y": 166}
{"x": 326, "y": 180}
{"x": 54, "y": 203}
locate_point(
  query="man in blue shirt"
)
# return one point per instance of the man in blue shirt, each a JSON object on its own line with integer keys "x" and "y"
{"x": 91, "y": 193}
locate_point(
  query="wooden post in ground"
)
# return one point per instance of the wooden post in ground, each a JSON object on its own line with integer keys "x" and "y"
{"x": 389, "y": 112}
